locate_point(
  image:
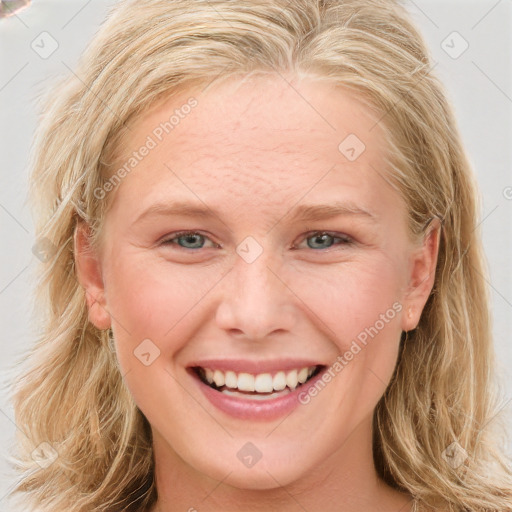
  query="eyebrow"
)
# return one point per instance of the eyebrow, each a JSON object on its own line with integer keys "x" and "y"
{"x": 303, "y": 212}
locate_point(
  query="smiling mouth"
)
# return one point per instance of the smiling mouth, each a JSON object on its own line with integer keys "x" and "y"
{"x": 258, "y": 386}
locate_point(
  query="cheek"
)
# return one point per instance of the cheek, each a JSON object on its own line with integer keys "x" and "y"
{"x": 152, "y": 306}
{"x": 349, "y": 298}
{"x": 360, "y": 306}
{"x": 359, "y": 310}
{"x": 150, "y": 297}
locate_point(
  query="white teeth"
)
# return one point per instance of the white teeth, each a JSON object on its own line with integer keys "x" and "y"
{"x": 279, "y": 381}
{"x": 218, "y": 378}
{"x": 231, "y": 380}
{"x": 209, "y": 375}
{"x": 245, "y": 382}
{"x": 291, "y": 379}
{"x": 261, "y": 383}
{"x": 302, "y": 375}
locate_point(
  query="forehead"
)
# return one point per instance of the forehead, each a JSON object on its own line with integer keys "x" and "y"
{"x": 275, "y": 138}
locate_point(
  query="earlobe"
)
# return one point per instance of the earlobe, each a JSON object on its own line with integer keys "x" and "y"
{"x": 422, "y": 272}
{"x": 88, "y": 271}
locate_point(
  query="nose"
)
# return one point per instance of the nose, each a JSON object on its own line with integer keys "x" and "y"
{"x": 256, "y": 301}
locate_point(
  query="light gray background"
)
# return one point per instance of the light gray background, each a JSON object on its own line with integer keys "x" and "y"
{"x": 479, "y": 85}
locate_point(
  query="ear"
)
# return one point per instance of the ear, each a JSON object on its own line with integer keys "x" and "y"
{"x": 88, "y": 270}
{"x": 422, "y": 272}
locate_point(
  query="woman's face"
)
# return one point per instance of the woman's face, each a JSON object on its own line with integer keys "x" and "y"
{"x": 253, "y": 296}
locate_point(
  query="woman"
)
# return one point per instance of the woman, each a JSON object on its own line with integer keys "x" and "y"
{"x": 203, "y": 349}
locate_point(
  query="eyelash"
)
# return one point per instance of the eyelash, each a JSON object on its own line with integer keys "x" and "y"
{"x": 345, "y": 239}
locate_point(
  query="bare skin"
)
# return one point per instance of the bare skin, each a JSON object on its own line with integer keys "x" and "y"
{"x": 254, "y": 152}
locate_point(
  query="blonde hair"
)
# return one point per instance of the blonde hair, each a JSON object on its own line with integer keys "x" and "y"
{"x": 443, "y": 394}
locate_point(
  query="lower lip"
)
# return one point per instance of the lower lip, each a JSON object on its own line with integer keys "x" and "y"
{"x": 247, "y": 409}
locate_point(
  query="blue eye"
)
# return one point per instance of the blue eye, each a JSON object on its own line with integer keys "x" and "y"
{"x": 322, "y": 237}
{"x": 190, "y": 237}
{"x": 195, "y": 240}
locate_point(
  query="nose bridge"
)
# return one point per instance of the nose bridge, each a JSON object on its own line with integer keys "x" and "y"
{"x": 254, "y": 280}
{"x": 256, "y": 301}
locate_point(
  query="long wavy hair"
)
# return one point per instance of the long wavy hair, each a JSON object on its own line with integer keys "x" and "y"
{"x": 85, "y": 444}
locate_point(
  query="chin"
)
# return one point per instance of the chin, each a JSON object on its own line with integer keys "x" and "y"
{"x": 266, "y": 474}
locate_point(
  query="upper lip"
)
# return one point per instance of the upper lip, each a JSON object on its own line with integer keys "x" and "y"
{"x": 253, "y": 366}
